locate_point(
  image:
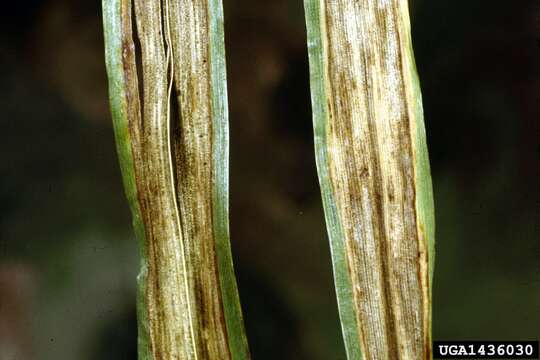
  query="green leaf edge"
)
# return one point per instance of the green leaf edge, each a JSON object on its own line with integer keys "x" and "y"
{"x": 229, "y": 291}
{"x": 336, "y": 236}
{"x": 425, "y": 205}
{"x": 112, "y": 25}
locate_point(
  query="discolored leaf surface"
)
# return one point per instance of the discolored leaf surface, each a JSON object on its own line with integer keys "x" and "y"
{"x": 374, "y": 174}
{"x": 173, "y": 148}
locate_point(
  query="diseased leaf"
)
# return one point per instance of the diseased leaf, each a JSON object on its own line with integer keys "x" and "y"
{"x": 173, "y": 147}
{"x": 374, "y": 174}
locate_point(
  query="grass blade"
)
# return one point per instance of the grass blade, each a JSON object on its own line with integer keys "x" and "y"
{"x": 374, "y": 174}
{"x": 173, "y": 150}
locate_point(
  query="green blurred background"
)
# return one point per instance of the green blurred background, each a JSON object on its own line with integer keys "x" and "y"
{"x": 68, "y": 259}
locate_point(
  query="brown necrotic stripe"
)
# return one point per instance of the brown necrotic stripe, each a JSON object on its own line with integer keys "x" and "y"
{"x": 371, "y": 164}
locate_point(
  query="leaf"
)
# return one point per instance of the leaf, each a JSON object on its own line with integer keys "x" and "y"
{"x": 374, "y": 173}
{"x": 173, "y": 151}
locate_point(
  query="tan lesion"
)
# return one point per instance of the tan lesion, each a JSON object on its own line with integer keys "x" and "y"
{"x": 371, "y": 163}
{"x": 172, "y": 150}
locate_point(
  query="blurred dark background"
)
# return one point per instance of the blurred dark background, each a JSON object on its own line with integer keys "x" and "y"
{"x": 68, "y": 259}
